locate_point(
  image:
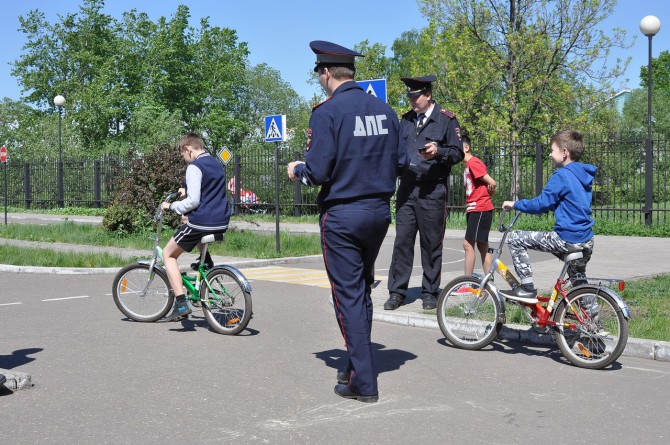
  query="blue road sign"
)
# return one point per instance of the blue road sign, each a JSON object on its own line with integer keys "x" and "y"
{"x": 275, "y": 128}
{"x": 376, "y": 87}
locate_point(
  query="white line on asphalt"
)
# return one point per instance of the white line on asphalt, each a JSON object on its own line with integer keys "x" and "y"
{"x": 647, "y": 370}
{"x": 420, "y": 267}
{"x": 9, "y": 304}
{"x": 66, "y": 298}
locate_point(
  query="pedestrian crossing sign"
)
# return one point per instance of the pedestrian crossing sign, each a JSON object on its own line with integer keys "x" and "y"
{"x": 376, "y": 87}
{"x": 275, "y": 128}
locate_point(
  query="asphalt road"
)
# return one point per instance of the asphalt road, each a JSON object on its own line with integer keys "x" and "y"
{"x": 102, "y": 379}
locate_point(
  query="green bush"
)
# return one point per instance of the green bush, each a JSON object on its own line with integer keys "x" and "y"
{"x": 152, "y": 176}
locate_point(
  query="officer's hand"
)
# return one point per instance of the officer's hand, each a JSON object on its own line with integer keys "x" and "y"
{"x": 290, "y": 168}
{"x": 165, "y": 205}
{"x": 181, "y": 192}
{"x": 509, "y": 205}
{"x": 430, "y": 151}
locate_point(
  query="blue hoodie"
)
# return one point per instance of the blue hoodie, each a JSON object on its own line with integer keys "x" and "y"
{"x": 568, "y": 194}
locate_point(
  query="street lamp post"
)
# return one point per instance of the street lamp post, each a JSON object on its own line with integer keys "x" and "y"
{"x": 59, "y": 101}
{"x": 649, "y": 25}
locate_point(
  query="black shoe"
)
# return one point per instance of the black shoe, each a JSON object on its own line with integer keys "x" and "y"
{"x": 208, "y": 265}
{"x": 180, "y": 311}
{"x": 429, "y": 302}
{"x": 344, "y": 391}
{"x": 394, "y": 301}
{"x": 342, "y": 377}
{"x": 520, "y": 294}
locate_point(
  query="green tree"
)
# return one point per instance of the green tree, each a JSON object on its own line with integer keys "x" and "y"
{"x": 660, "y": 72}
{"x": 265, "y": 93}
{"x": 112, "y": 72}
{"x": 530, "y": 65}
{"x": 635, "y": 109}
{"x": 31, "y": 134}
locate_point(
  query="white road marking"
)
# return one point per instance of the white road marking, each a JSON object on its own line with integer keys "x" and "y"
{"x": 647, "y": 370}
{"x": 66, "y": 298}
{"x": 9, "y": 304}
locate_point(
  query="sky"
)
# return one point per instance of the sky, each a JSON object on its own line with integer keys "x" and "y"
{"x": 278, "y": 32}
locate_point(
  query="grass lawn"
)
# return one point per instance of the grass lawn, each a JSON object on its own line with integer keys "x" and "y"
{"x": 243, "y": 244}
{"x": 20, "y": 256}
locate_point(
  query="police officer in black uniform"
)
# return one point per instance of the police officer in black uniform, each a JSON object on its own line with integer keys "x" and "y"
{"x": 433, "y": 143}
{"x": 355, "y": 153}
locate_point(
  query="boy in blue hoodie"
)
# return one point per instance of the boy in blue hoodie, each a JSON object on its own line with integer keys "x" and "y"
{"x": 568, "y": 195}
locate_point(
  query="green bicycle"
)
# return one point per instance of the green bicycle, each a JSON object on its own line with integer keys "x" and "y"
{"x": 142, "y": 292}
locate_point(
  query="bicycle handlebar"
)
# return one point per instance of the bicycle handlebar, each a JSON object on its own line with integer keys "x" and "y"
{"x": 171, "y": 196}
{"x": 159, "y": 210}
{"x": 501, "y": 226}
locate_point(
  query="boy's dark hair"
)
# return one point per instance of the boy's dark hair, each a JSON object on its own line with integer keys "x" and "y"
{"x": 570, "y": 140}
{"x": 193, "y": 139}
{"x": 466, "y": 140}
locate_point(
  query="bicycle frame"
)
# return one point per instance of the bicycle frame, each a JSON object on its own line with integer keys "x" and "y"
{"x": 542, "y": 311}
{"x": 191, "y": 283}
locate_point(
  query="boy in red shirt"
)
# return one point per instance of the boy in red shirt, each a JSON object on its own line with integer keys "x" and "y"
{"x": 479, "y": 187}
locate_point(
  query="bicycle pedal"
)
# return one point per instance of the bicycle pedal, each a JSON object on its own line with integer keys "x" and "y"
{"x": 585, "y": 351}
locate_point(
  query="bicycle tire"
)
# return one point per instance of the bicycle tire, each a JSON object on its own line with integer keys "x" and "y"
{"x": 468, "y": 318}
{"x": 600, "y": 338}
{"x": 225, "y": 302}
{"x": 131, "y": 281}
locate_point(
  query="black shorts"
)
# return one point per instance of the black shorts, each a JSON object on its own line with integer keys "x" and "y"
{"x": 187, "y": 237}
{"x": 479, "y": 225}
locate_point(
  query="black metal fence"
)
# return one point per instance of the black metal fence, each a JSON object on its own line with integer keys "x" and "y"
{"x": 618, "y": 192}
{"x": 86, "y": 183}
{"x": 619, "y": 186}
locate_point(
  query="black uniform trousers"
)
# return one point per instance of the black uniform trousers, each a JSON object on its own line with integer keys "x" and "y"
{"x": 351, "y": 236}
{"x": 420, "y": 207}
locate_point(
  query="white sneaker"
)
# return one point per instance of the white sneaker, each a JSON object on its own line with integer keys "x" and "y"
{"x": 520, "y": 294}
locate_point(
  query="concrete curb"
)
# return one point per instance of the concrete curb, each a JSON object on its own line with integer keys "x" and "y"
{"x": 636, "y": 347}
{"x": 112, "y": 270}
{"x": 16, "y": 380}
{"x": 58, "y": 270}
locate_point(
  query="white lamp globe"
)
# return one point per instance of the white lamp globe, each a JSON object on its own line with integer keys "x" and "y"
{"x": 650, "y": 25}
{"x": 59, "y": 101}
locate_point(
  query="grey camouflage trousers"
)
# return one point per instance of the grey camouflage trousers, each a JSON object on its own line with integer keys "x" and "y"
{"x": 520, "y": 241}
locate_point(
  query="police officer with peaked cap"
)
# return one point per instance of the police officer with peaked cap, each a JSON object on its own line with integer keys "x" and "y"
{"x": 433, "y": 141}
{"x": 355, "y": 153}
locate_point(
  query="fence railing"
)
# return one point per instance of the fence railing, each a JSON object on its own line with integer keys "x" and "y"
{"x": 86, "y": 183}
{"x": 618, "y": 192}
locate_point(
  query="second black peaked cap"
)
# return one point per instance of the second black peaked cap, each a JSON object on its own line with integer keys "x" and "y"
{"x": 417, "y": 85}
{"x": 328, "y": 53}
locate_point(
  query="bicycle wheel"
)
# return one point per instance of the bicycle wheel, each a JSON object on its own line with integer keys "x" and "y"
{"x": 592, "y": 330}
{"x": 225, "y": 303}
{"x": 467, "y": 315}
{"x": 142, "y": 296}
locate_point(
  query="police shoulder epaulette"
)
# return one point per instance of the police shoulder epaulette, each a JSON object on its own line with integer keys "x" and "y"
{"x": 321, "y": 103}
{"x": 447, "y": 113}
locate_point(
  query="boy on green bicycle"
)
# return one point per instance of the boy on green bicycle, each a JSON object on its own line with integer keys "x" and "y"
{"x": 568, "y": 195}
{"x": 206, "y": 205}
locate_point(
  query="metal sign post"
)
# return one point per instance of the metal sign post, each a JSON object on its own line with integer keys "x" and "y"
{"x": 3, "y": 159}
{"x": 275, "y": 131}
{"x": 277, "y": 196}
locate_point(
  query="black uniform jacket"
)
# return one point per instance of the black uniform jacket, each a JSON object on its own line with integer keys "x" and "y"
{"x": 441, "y": 127}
